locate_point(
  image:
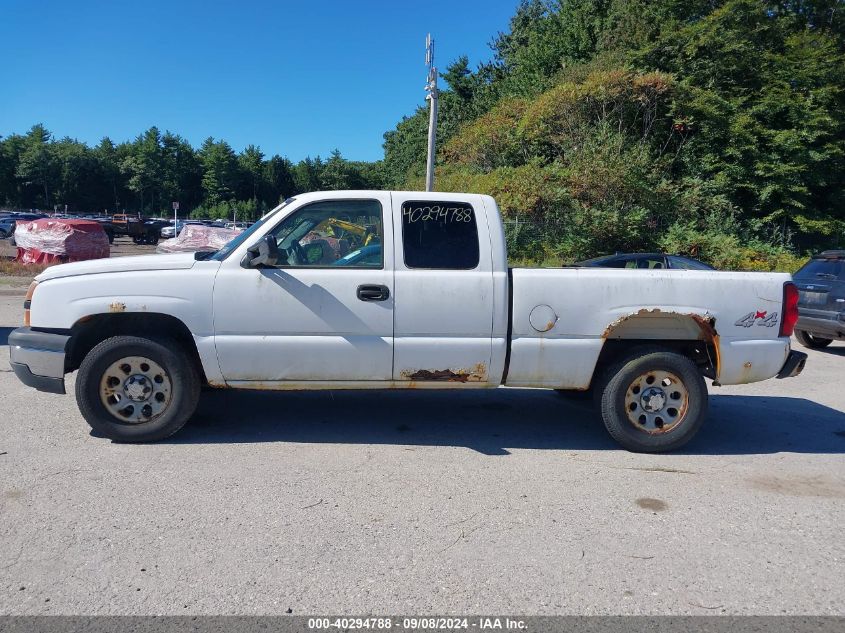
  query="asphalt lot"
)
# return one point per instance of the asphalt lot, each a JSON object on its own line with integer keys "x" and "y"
{"x": 512, "y": 501}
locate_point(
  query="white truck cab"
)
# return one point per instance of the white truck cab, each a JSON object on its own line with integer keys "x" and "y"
{"x": 396, "y": 290}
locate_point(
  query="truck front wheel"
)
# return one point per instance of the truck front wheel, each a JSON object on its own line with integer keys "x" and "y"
{"x": 133, "y": 389}
{"x": 653, "y": 401}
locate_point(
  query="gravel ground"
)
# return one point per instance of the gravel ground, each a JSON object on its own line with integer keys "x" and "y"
{"x": 512, "y": 501}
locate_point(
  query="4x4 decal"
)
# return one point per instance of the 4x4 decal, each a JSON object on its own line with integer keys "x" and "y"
{"x": 760, "y": 318}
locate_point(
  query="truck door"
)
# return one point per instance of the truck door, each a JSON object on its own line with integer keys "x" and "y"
{"x": 444, "y": 289}
{"x": 323, "y": 313}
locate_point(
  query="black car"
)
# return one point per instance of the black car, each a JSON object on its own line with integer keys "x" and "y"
{"x": 821, "y": 300}
{"x": 646, "y": 260}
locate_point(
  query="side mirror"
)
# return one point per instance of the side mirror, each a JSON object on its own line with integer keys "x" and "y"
{"x": 264, "y": 253}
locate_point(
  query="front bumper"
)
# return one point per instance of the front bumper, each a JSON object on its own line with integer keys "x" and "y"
{"x": 38, "y": 358}
{"x": 794, "y": 364}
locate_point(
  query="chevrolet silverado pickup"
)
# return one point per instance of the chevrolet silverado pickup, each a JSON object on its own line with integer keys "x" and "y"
{"x": 396, "y": 290}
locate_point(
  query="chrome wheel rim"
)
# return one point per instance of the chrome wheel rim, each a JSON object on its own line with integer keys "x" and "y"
{"x": 656, "y": 402}
{"x": 135, "y": 390}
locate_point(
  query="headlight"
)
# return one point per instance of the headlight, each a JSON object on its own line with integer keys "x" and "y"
{"x": 27, "y": 302}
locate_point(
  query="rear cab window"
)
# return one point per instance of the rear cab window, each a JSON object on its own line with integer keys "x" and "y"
{"x": 831, "y": 269}
{"x": 439, "y": 235}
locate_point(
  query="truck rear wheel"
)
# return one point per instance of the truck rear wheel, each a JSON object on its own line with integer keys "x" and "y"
{"x": 653, "y": 400}
{"x": 813, "y": 342}
{"x": 133, "y": 389}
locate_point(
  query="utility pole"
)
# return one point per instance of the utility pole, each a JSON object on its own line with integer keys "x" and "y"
{"x": 431, "y": 89}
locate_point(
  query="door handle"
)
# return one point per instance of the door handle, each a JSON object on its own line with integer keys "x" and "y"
{"x": 373, "y": 292}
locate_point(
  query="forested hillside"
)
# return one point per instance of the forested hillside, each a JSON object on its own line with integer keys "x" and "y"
{"x": 709, "y": 127}
{"x": 714, "y": 128}
{"x": 147, "y": 174}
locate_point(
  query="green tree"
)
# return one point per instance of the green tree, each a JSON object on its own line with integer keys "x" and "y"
{"x": 80, "y": 183}
{"x": 37, "y": 164}
{"x": 764, "y": 106}
{"x": 306, "y": 175}
{"x": 251, "y": 165}
{"x": 11, "y": 148}
{"x": 220, "y": 171}
{"x": 277, "y": 181}
{"x": 113, "y": 178}
{"x": 181, "y": 172}
{"x": 337, "y": 174}
{"x": 143, "y": 169}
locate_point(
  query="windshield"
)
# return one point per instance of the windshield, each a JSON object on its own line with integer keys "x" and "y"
{"x": 823, "y": 269}
{"x": 223, "y": 253}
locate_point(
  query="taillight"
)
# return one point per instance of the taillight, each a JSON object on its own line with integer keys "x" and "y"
{"x": 27, "y": 302}
{"x": 790, "y": 309}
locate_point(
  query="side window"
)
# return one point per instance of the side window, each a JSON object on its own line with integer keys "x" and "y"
{"x": 648, "y": 263}
{"x": 342, "y": 233}
{"x": 686, "y": 264}
{"x": 439, "y": 235}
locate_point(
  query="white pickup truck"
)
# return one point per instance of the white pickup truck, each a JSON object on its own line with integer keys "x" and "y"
{"x": 396, "y": 290}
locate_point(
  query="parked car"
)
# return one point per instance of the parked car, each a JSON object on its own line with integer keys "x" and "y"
{"x": 821, "y": 300}
{"x": 440, "y": 310}
{"x": 8, "y": 222}
{"x": 7, "y": 227}
{"x": 171, "y": 230}
{"x": 646, "y": 260}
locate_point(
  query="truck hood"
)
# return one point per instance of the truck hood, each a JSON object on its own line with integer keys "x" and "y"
{"x": 167, "y": 261}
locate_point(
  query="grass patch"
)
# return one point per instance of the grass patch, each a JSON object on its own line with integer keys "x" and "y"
{"x": 12, "y": 268}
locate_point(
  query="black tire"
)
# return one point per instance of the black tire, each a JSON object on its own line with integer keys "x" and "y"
{"x": 620, "y": 388}
{"x": 180, "y": 374}
{"x": 138, "y": 239}
{"x": 809, "y": 340}
{"x": 110, "y": 235}
{"x": 152, "y": 238}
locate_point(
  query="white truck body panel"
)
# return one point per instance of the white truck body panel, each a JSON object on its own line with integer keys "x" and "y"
{"x": 656, "y": 305}
{"x": 305, "y": 328}
{"x": 183, "y": 293}
{"x": 444, "y": 322}
{"x": 303, "y": 324}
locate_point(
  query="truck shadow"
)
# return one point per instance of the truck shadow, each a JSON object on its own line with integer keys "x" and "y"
{"x": 4, "y": 335}
{"x": 834, "y": 351}
{"x": 494, "y": 423}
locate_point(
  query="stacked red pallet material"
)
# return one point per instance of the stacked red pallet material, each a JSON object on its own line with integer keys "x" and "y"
{"x": 48, "y": 241}
{"x": 198, "y": 237}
